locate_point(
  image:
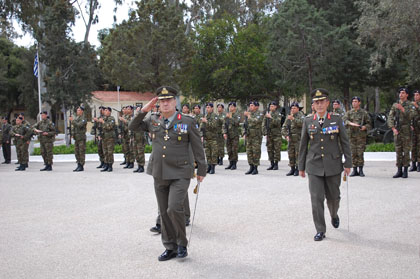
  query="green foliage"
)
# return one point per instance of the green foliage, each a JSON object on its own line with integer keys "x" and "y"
{"x": 91, "y": 148}
{"x": 380, "y": 147}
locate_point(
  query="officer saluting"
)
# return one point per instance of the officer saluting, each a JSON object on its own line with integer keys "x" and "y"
{"x": 171, "y": 165}
{"x": 323, "y": 161}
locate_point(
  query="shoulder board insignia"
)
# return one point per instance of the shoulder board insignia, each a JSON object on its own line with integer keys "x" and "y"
{"x": 179, "y": 116}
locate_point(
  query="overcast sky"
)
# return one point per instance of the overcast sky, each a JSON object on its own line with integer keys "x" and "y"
{"x": 106, "y": 20}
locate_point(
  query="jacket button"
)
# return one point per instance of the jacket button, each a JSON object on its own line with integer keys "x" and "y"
{"x": 163, "y": 156}
{"x": 164, "y": 147}
{"x": 322, "y": 155}
{"x": 322, "y": 139}
{"x": 322, "y": 147}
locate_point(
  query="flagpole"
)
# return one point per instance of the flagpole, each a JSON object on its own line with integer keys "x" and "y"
{"x": 39, "y": 82}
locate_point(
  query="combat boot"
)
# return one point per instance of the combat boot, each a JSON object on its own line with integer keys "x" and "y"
{"x": 399, "y": 173}
{"x": 131, "y": 166}
{"x": 138, "y": 168}
{"x": 212, "y": 169}
{"x": 233, "y": 165}
{"x": 123, "y": 163}
{"x": 405, "y": 172}
{"x": 276, "y": 165}
{"x": 251, "y": 169}
{"x": 105, "y": 168}
{"x": 45, "y": 168}
{"x": 141, "y": 169}
{"x": 418, "y": 167}
{"x": 49, "y": 167}
{"x": 361, "y": 173}
{"x": 296, "y": 173}
{"x": 229, "y": 166}
{"x": 19, "y": 168}
{"x": 354, "y": 172}
{"x": 271, "y": 166}
{"x": 255, "y": 170}
{"x": 78, "y": 168}
{"x": 208, "y": 168}
{"x": 81, "y": 168}
{"x": 413, "y": 166}
{"x": 101, "y": 165}
{"x": 221, "y": 161}
{"x": 291, "y": 172}
{"x": 109, "y": 169}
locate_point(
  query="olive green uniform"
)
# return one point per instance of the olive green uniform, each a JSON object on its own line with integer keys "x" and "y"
{"x": 126, "y": 140}
{"x": 272, "y": 129}
{"x": 356, "y": 136}
{"x": 232, "y": 130}
{"x": 321, "y": 157}
{"x": 78, "y": 126}
{"x": 254, "y": 136}
{"x": 293, "y": 130}
{"x": 47, "y": 141}
{"x": 415, "y": 148}
{"x": 339, "y": 111}
{"x": 176, "y": 143}
{"x": 108, "y": 137}
{"x": 22, "y": 144}
{"x": 138, "y": 145}
{"x": 97, "y": 128}
{"x": 402, "y": 122}
{"x": 220, "y": 138}
{"x": 6, "y": 142}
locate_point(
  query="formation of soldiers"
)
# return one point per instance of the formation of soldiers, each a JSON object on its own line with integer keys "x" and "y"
{"x": 220, "y": 129}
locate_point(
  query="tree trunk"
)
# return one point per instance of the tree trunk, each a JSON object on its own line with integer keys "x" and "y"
{"x": 309, "y": 73}
{"x": 377, "y": 101}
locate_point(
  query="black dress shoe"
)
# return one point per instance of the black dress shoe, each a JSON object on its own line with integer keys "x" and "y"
{"x": 156, "y": 229}
{"x": 319, "y": 236}
{"x": 335, "y": 222}
{"x": 167, "y": 255}
{"x": 182, "y": 252}
{"x": 187, "y": 222}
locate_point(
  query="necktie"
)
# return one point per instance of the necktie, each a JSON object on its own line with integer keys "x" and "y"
{"x": 166, "y": 121}
{"x": 321, "y": 121}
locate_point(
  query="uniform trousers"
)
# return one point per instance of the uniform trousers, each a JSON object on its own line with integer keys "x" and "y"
{"x": 170, "y": 195}
{"x": 321, "y": 187}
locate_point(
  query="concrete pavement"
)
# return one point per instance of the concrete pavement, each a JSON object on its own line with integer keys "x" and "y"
{"x": 62, "y": 224}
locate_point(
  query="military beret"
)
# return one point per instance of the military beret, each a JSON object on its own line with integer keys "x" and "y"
{"x": 416, "y": 91}
{"x": 101, "y": 107}
{"x": 319, "y": 94}
{"x": 209, "y": 105}
{"x": 108, "y": 108}
{"x": 44, "y": 112}
{"x": 130, "y": 107}
{"x": 336, "y": 101}
{"x": 5, "y": 118}
{"x": 294, "y": 104}
{"x": 274, "y": 103}
{"x": 221, "y": 105}
{"x": 355, "y": 98}
{"x": 166, "y": 92}
{"x": 403, "y": 89}
{"x": 81, "y": 107}
{"x": 186, "y": 105}
{"x": 197, "y": 106}
{"x": 232, "y": 104}
{"x": 255, "y": 103}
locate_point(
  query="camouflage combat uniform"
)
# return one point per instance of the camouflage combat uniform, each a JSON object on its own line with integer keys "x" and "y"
{"x": 415, "y": 148}
{"x": 231, "y": 129}
{"x": 339, "y": 111}
{"x": 211, "y": 132}
{"x": 22, "y": 144}
{"x": 356, "y": 136}
{"x": 254, "y": 136}
{"x": 97, "y": 127}
{"x": 272, "y": 129}
{"x": 78, "y": 132}
{"x": 293, "y": 130}
{"x": 108, "y": 137}
{"x": 46, "y": 142}
{"x": 220, "y": 138}
{"x": 127, "y": 144}
{"x": 402, "y": 141}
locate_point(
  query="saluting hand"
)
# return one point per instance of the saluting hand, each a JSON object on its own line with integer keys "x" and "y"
{"x": 149, "y": 106}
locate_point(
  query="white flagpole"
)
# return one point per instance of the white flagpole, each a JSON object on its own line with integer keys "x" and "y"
{"x": 39, "y": 83}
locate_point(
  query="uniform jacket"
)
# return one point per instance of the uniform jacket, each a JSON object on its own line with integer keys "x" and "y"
{"x": 78, "y": 126}
{"x": 360, "y": 117}
{"x": 403, "y": 125}
{"x": 255, "y": 124}
{"x": 108, "y": 127}
{"x": 416, "y": 117}
{"x": 212, "y": 128}
{"x": 6, "y": 128}
{"x": 231, "y": 125}
{"x": 45, "y": 126}
{"x": 23, "y": 130}
{"x": 319, "y": 151}
{"x": 293, "y": 128}
{"x": 274, "y": 124}
{"x": 171, "y": 156}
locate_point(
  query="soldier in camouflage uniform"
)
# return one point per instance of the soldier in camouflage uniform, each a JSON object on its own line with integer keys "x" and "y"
{"x": 78, "y": 132}
{"x": 253, "y": 136}
{"x": 122, "y": 136}
{"x": 22, "y": 135}
{"x": 137, "y": 144}
{"x": 272, "y": 129}
{"x": 415, "y": 148}
{"x": 97, "y": 128}
{"x": 337, "y": 108}
{"x": 186, "y": 109}
{"x": 210, "y": 126}
{"x": 197, "y": 115}
{"x": 220, "y": 139}
{"x": 6, "y": 141}
{"x": 127, "y": 138}
{"x": 231, "y": 133}
{"x": 291, "y": 131}
{"x": 399, "y": 121}
{"x": 357, "y": 122}
{"x": 46, "y": 136}
{"x": 108, "y": 137}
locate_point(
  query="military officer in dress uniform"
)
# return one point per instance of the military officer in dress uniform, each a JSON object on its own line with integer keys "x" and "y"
{"x": 78, "y": 132}
{"x": 320, "y": 156}
{"x": 174, "y": 137}
{"x": 399, "y": 121}
{"x": 357, "y": 121}
{"x": 46, "y": 135}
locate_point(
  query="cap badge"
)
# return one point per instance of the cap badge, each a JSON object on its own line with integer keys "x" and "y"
{"x": 318, "y": 93}
{"x": 164, "y": 91}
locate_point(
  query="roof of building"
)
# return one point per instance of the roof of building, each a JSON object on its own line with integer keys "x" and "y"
{"x": 130, "y": 96}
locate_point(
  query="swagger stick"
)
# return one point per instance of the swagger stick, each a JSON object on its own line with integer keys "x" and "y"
{"x": 196, "y": 191}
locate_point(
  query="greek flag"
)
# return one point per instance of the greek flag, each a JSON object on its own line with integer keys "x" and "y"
{"x": 36, "y": 65}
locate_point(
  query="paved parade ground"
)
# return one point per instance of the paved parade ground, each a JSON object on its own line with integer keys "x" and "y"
{"x": 62, "y": 224}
